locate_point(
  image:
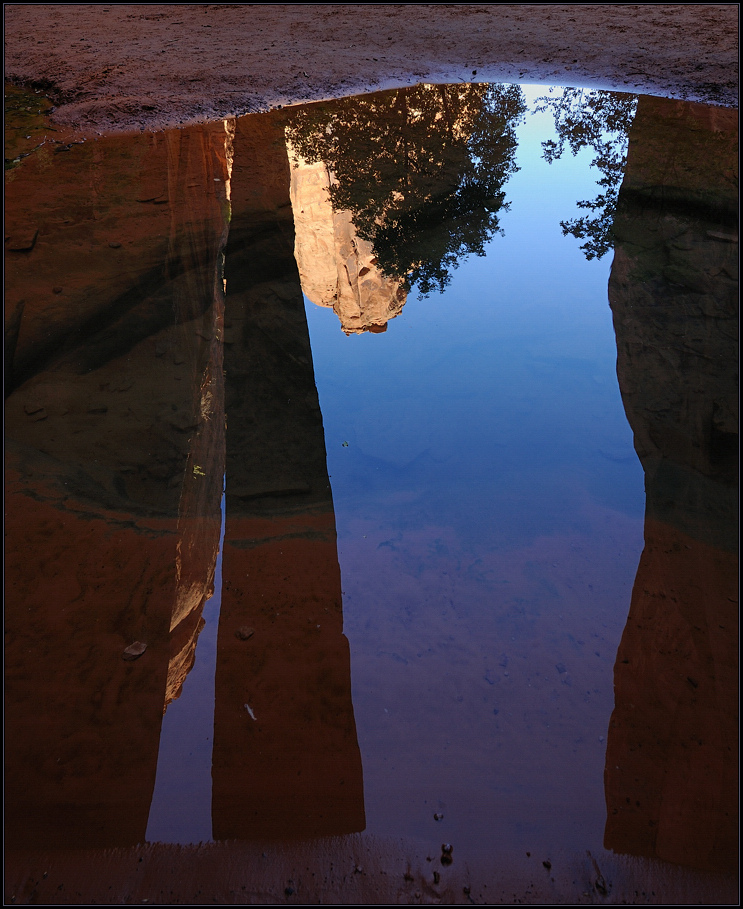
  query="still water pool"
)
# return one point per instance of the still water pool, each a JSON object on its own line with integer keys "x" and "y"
{"x": 343, "y": 500}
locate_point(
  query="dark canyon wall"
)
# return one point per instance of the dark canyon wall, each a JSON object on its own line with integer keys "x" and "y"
{"x": 118, "y": 349}
{"x": 286, "y": 759}
{"x": 671, "y": 764}
{"x": 114, "y": 396}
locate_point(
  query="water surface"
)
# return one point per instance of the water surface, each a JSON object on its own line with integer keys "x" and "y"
{"x": 474, "y": 571}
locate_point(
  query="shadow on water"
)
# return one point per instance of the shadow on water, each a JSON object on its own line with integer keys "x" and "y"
{"x": 480, "y": 540}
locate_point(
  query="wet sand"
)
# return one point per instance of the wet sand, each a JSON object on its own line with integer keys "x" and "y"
{"x": 122, "y": 67}
{"x": 126, "y": 67}
{"x": 354, "y": 870}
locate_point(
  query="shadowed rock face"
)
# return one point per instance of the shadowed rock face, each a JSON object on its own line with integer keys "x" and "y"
{"x": 116, "y": 462}
{"x": 286, "y": 760}
{"x": 115, "y": 398}
{"x": 671, "y": 765}
{"x": 116, "y": 455}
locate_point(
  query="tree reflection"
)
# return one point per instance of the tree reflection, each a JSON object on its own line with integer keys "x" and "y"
{"x": 421, "y": 169}
{"x": 600, "y": 120}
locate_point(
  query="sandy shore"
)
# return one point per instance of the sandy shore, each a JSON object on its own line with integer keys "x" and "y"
{"x": 125, "y": 67}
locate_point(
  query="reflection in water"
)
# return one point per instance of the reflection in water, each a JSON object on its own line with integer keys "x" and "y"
{"x": 671, "y": 765}
{"x": 420, "y": 170}
{"x": 286, "y": 760}
{"x": 600, "y": 120}
{"x": 115, "y": 401}
{"x": 157, "y": 341}
{"x": 337, "y": 267}
{"x": 180, "y": 811}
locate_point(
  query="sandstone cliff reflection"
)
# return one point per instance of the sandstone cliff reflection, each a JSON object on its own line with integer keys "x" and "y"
{"x": 286, "y": 760}
{"x": 113, "y": 535}
{"x": 671, "y": 762}
{"x": 117, "y": 449}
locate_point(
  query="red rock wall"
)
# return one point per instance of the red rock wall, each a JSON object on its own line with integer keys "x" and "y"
{"x": 671, "y": 763}
{"x": 286, "y": 759}
{"x": 115, "y": 396}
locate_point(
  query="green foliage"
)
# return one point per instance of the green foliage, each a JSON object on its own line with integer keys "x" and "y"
{"x": 25, "y": 121}
{"x": 600, "y": 120}
{"x": 421, "y": 170}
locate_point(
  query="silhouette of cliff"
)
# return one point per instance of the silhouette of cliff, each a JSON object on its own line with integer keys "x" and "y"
{"x": 115, "y": 398}
{"x": 286, "y": 759}
{"x": 671, "y": 764}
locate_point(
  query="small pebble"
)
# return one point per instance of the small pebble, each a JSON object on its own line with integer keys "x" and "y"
{"x": 134, "y": 651}
{"x": 244, "y": 633}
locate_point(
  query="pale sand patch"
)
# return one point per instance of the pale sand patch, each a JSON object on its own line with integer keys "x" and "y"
{"x": 121, "y": 67}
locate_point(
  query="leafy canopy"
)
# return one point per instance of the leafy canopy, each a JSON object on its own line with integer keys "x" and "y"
{"x": 600, "y": 120}
{"x": 421, "y": 170}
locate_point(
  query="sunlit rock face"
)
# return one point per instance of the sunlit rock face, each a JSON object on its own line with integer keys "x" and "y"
{"x": 671, "y": 764}
{"x": 115, "y": 398}
{"x": 337, "y": 268}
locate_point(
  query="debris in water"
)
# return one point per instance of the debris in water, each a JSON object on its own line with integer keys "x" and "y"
{"x": 600, "y": 884}
{"x": 446, "y": 851}
{"x": 134, "y": 651}
{"x": 250, "y": 711}
{"x": 244, "y": 633}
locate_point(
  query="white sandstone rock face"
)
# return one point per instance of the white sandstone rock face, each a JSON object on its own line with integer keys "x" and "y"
{"x": 337, "y": 268}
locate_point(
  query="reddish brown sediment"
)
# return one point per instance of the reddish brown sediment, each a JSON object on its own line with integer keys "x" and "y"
{"x": 121, "y": 67}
